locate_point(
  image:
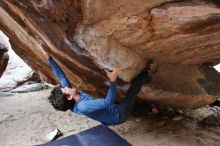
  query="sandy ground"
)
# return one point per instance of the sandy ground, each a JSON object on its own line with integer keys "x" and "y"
{"x": 25, "y": 119}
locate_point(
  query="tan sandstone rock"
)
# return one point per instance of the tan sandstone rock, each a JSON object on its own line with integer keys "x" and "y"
{"x": 86, "y": 37}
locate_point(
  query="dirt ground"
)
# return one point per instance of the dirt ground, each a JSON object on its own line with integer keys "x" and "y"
{"x": 26, "y": 118}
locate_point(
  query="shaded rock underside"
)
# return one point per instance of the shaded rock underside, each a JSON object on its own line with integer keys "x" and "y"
{"x": 3, "y": 55}
{"x": 86, "y": 37}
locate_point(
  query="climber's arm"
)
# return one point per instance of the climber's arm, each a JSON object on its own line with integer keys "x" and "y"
{"x": 58, "y": 72}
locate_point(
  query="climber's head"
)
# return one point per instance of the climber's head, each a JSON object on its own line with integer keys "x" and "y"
{"x": 61, "y": 100}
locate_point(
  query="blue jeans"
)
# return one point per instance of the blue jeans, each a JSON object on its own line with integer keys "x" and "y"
{"x": 127, "y": 105}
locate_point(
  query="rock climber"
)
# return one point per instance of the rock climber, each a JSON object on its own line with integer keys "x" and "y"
{"x": 103, "y": 110}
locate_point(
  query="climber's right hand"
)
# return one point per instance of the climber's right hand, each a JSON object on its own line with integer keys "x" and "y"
{"x": 112, "y": 75}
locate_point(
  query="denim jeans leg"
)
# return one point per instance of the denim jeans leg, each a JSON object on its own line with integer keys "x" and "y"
{"x": 126, "y": 107}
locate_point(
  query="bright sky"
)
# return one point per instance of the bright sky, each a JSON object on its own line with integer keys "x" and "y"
{"x": 217, "y": 67}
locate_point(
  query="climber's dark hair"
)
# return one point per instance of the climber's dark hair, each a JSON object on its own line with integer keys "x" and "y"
{"x": 59, "y": 100}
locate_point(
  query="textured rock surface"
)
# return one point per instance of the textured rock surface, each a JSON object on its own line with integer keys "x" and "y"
{"x": 29, "y": 88}
{"x": 17, "y": 71}
{"x": 87, "y": 36}
{"x": 3, "y": 55}
{"x": 3, "y": 61}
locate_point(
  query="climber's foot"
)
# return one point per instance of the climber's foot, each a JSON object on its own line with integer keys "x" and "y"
{"x": 151, "y": 66}
{"x": 154, "y": 109}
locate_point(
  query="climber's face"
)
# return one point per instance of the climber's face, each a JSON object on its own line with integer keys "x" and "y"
{"x": 71, "y": 92}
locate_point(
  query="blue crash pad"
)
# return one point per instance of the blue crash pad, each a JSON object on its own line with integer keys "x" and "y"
{"x": 97, "y": 136}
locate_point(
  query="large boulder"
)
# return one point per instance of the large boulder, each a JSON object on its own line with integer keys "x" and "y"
{"x": 86, "y": 37}
{"x": 3, "y": 60}
{"x": 17, "y": 71}
{"x": 3, "y": 55}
